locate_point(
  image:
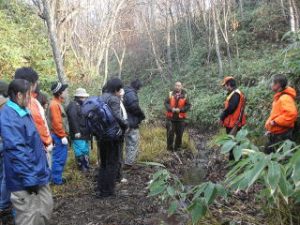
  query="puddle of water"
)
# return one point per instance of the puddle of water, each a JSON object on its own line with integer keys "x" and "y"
{"x": 194, "y": 175}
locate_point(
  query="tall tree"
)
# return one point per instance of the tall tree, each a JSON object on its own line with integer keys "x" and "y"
{"x": 217, "y": 42}
{"x": 47, "y": 15}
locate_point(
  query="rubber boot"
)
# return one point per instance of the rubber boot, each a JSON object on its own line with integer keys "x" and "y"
{"x": 86, "y": 163}
{"x": 79, "y": 162}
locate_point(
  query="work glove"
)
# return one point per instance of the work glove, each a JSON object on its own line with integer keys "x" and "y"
{"x": 64, "y": 141}
{"x": 78, "y": 135}
{"x": 49, "y": 148}
{"x": 32, "y": 189}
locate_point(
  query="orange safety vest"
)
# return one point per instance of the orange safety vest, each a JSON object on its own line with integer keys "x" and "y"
{"x": 233, "y": 119}
{"x": 176, "y": 104}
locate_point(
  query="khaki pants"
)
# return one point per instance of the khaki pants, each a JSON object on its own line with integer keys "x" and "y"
{"x": 33, "y": 209}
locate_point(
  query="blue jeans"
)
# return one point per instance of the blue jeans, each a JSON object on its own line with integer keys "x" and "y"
{"x": 81, "y": 147}
{"x": 59, "y": 159}
{"x": 4, "y": 193}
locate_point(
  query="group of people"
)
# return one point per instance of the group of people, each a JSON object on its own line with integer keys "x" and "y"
{"x": 279, "y": 126}
{"x": 283, "y": 116}
{"x": 35, "y": 136}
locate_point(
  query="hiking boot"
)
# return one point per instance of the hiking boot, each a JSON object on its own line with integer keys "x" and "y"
{"x": 6, "y": 217}
{"x": 101, "y": 195}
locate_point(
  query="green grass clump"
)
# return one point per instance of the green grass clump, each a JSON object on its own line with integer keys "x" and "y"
{"x": 153, "y": 146}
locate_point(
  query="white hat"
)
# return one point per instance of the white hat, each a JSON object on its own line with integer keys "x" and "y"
{"x": 81, "y": 92}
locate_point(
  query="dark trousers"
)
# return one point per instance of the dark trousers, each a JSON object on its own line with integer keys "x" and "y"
{"x": 108, "y": 171}
{"x": 120, "y": 161}
{"x": 275, "y": 139}
{"x": 228, "y": 130}
{"x": 175, "y": 129}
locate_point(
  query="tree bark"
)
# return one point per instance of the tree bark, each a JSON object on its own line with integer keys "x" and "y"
{"x": 294, "y": 23}
{"x": 53, "y": 42}
{"x": 220, "y": 63}
{"x": 169, "y": 58}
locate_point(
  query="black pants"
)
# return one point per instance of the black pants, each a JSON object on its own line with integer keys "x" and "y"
{"x": 175, "y": 128}
{"x": 120, "y": 161}
{"x": 108, "y": 171}
{"x": 228, "y": 130}
{"x": 275, "y": 139}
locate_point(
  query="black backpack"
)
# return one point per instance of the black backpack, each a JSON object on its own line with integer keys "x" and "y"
{"x": 100, "y": 119}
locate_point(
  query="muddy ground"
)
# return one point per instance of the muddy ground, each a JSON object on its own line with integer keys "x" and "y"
{"x": 76, "y": 203}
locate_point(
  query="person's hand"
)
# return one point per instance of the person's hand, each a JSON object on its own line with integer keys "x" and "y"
{"x": 267, "y": 133}
{"x": 78, "y": 135}
{"x": 32, "y": 189}
{"x": 177, "y": 110}
{"x": 49, "y": 148}
{"x": 272, "y": 123}
{"x": 173, "y": 110}
{"x": 64, "y": 141}
{"x": 221, "y": 123}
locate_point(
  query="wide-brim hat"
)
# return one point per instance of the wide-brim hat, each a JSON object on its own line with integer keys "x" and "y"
{"x": 58, "y": 87}
{"x": 81, "y": 92}
{"x": 226, "y": 79}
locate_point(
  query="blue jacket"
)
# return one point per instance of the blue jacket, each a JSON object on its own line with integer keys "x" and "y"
{"x": 24, "y": 155}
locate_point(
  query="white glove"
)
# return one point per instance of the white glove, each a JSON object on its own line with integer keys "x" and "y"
{"x": 78, "y": 135}
{"x": 64, "y": 141}
{"x": 49, "y": 148}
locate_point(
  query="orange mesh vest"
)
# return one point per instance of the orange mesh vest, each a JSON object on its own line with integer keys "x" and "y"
{"x": 176, "y": 104}
{"x": 233, "y": 119}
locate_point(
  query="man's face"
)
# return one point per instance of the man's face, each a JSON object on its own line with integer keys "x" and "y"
{"x": 23, "y": 99}
{"x": 178, "y": 86}
{"x": 228, "y": 87}
{"x": 34, "y": 86}
{"x": 275, "y": 87}
{"x": 118, "y": 93}
{"x": 82, "y": 99}
{"x": 64, "y": 94}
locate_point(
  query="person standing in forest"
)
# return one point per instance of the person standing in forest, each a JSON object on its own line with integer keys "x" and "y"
{"x": 59, "y": 128}
{"x": 177, "y": 105}
{"x": 233, "y": 116}
{"x": 79, "y": 132}
{"x": 110, "y": 148}
{"x": 36, "y": 109}
{"x": 26, "y": 168}
{"x": 6, "y": 215}
{"x": 135, "y": 117}
{"x": 283, "y": 117}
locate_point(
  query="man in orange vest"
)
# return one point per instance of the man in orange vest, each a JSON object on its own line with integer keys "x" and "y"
{"x": 280, "y": 123}
{"x": 233, "y": 115}
{"x": 177, "y": 105}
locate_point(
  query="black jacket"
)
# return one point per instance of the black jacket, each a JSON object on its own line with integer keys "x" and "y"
{"x": 77, "y": 122}
{"x": 114, "y": 103}
{"x": 186, "y": 108}
{"x": 133, "y": 109}
{"x": 232, "y": 106}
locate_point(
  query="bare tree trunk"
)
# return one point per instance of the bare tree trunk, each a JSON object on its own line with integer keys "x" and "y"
{"x": 170, "y": 75}
{"x": 53, "y": 41}
{"x": 282, "y": 8}
{"x": 217, "y": 41}
{"x": 175, "y": 38}
{"x": 106, "y": 66}
{"x": 294, "y": 23}
{"x": 158, "y": 65}
{"x": 241, "y": 4}
{"x": 120, "y": 60}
